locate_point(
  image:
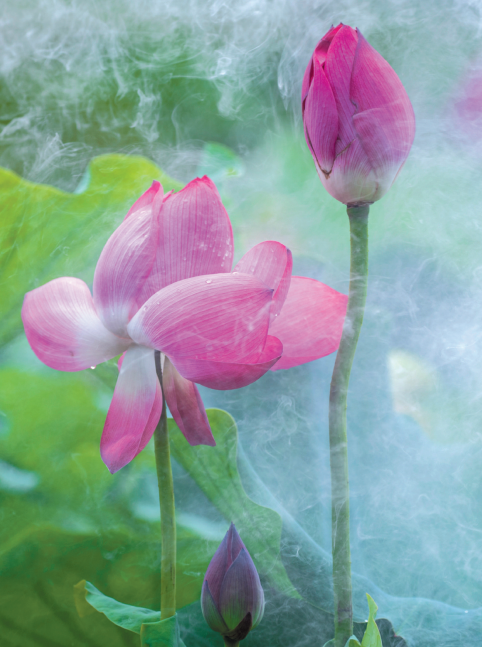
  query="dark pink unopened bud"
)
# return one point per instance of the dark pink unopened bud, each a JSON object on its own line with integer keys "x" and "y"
{"x": 232, "y": 598}
{"x": 359, "y": 122}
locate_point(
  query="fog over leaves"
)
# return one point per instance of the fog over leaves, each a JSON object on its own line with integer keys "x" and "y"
{"x": 164, "y": 80}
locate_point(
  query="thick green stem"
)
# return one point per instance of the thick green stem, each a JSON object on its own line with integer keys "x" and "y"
{"x": 230, "y": 643}
{"x": 168, "y": 516}
{"x": 340, "y": 502}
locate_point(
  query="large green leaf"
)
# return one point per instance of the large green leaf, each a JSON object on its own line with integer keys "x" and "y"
{"x": 164, "y": 633}
{"x": 154, "y": 632}
{"x": 46, "y": 233}
{"x": 215, "y": 471}
{"x": 88, "y": 600}
{"x": 64, "y": 517}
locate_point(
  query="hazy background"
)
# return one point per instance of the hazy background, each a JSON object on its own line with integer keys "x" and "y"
{"x": 164, "y": 80}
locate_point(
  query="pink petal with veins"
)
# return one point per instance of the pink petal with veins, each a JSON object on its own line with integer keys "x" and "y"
{"x": 338, "y": 69}
{"x": 384, "y": 120}
{"x": 320, "y": 119}
{"x": 63, "y": 328}
{"x": 195, "y": 237}
{"x": 218, "y": 316}
{"x": 320, "y": 56}
{"x": 224, "y": 376}
{"x": 134, "y": 411}
{"x": 147, "y": 198}
{"x": 186, "y": 407}
{"x": 271, "y": 263}
{"x": 311, "y": 322}
{"x": 123, "y": 267}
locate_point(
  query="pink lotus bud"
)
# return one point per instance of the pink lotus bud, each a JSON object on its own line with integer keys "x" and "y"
{"x": 232, "y": 598}
{"x": 359, "y": 122}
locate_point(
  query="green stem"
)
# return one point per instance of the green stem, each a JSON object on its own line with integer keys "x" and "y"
{"x": 340, "y": 506}
{"x": 168, "y": 515}
{"x": 230, "y": 643}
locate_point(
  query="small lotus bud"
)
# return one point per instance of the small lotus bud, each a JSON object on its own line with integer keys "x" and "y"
{"x": 232, "y": 599}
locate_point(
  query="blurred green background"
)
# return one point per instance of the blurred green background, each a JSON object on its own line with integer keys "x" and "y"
{"x": 96, "y": 101}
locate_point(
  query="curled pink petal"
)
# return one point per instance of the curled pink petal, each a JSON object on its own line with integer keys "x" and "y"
{"x": 217, "y": 316}
{"x": 320, "y": 56}
{"x": 123, "y": 267}
{"x": 155, "y": 412}
{"x": 186, "y": 407}
{"x": 154, "y": 192}
{"x": 229, "y": 375}
{"x": 195, "y": 237}
{"x": 63, "y": 328}
{"x": 134, "y": 411}
{"x": 271, "y": 263}
{"x": 384, "y": 119}
{"x": 311, "y": 322}
{"x": 320, "y": 119}
{"x": 153, "y": 419}
{"x": 338, "y": 69}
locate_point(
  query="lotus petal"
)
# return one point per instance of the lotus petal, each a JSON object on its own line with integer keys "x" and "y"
{"x": 311, "y": 322}
{"x": 63, "y": 328}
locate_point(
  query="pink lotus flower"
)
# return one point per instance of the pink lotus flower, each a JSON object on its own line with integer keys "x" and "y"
{"x": 164, "y": 282}
{"x": 359, "y": 122}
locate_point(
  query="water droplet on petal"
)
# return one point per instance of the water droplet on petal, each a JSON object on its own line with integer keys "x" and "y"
{"x": 92, "y": 367}
{"x": 209, "y": 281}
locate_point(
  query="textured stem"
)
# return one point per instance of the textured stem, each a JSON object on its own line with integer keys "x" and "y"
{"x": 340, "y": 503}
{"x": 230, "y": 643}
{"x": 166, "y": 500}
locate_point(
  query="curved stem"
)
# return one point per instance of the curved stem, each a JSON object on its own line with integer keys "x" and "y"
{"x": 166, "y": 500}
{"x": 340, "y": 503}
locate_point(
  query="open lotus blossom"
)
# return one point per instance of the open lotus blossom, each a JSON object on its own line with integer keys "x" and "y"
{"x": 164, "y": 282}
{"x": 359, "y": 122}
{"x": 232, "y": 598}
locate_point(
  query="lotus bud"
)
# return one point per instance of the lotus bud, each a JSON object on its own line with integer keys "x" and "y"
{"x": 232, "y": 599}
{"x": 358, "y": 120}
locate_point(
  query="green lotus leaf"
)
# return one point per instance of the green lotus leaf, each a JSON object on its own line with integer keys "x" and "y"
{"x": 215, "y": 471}
{"x": 88, "y": 600}
{"x": 164, "y": 633}
{"x": 70, "y": 228}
